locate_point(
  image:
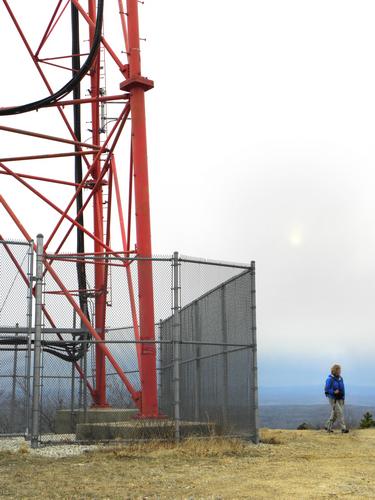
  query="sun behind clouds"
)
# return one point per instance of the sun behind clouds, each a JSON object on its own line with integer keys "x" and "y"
{"x": 295, "y": 237}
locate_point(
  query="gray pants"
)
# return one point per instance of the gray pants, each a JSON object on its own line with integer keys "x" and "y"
{"x": 337, "y": 414}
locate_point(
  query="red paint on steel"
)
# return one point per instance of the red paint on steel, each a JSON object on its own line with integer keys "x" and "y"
{"x": 43, "y": 179}
{"x": 106, "y": 98}
{"x": 142, "y": 217}
{"x": 100, "y": 269}
{"x": 48, "y": 156}
{"x": 47, "y": 137}
{"x": 129, "y": 276}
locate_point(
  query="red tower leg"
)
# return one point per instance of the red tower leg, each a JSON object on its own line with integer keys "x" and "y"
{"x": 100, "y": 282}
{"x": 137, "y": 85}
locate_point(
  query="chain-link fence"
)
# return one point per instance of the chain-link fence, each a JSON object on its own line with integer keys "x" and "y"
{"x": 205, "y": 340}
{"x": 208, "y": 354}
{"x": 16, "y": 263}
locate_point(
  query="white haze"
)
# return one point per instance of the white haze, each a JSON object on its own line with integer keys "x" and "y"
{"x": 261, "y": 146}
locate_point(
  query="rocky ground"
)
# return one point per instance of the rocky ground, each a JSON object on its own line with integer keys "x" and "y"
{"x": 20, "y": 446}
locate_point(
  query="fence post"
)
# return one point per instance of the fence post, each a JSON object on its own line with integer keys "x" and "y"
{"x": 254, "y": 364}
{"x": 159, "y": 371}
{"x": 35, "y": 430}
{"x": 176, "y": 344}
{"x": 225, "y": 356}
{"x": 72, "y": 382}
{"x": 85, "y": 383}
{"x": 30, "y": 275}
{"x": 14, "y": 386}
{"x": 198, "y": 338}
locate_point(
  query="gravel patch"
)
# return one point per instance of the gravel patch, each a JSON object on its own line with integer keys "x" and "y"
{"x": 20, "y": 445}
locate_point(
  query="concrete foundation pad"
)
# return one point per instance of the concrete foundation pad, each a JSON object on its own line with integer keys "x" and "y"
{"x": 143, "y": 429}
{"x": 66, "y": 421}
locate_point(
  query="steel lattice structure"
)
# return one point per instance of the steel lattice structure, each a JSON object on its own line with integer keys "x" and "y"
{"x": 96, "y": 188}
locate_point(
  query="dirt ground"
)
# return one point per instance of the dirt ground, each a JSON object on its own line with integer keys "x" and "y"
{"x": 287, "y": 464}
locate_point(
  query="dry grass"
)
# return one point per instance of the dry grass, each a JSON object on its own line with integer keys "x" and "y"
{"x": 287, "y": 464}
{"x": 190, "y": 449}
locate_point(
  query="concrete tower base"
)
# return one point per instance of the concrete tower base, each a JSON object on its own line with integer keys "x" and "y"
{"x": 66, "y": 421}
{"x": 142, "y": 429}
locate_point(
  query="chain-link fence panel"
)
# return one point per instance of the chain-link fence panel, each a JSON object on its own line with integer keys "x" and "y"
{"x": 68, "y": 385}
{"x": 15, "y": 336}
{"x": 215, "y": 340}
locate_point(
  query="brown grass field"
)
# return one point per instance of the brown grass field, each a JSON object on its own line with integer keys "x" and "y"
{"x": 287, "y": 464}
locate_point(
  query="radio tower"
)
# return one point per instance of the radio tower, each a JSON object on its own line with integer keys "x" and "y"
{"x": 98, "y": 178}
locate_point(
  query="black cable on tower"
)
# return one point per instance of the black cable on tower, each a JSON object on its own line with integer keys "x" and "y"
{"x": 71, "y": 84}
{"x": 76, "y": 66}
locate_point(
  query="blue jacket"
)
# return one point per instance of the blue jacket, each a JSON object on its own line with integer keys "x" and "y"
{"x": 332, "y": 384}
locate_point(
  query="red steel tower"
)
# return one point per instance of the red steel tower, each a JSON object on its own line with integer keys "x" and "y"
{"x": 96, "y": 189}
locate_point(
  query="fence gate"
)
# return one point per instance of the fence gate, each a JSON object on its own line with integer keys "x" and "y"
{"x": 16, "y": 269}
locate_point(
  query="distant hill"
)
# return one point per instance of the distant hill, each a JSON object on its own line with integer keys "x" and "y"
{"x": 312, "y": 395}
{"x": 291, "y": 416}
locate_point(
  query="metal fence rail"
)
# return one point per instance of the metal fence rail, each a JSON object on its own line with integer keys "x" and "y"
{"x": 205, "y": 342}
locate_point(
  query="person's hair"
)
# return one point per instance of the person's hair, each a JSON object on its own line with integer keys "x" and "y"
{"x": 335, "y": 369}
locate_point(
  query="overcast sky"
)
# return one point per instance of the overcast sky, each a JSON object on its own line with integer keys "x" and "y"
{"x": 261, "y": 134}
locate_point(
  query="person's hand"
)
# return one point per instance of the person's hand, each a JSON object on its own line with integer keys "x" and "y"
{"x": 337, "y": 391}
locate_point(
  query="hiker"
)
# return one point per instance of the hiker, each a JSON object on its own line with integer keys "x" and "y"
{"x": 335, "y": 392}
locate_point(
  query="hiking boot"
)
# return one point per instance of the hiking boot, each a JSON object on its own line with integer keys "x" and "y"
{"x": 345, "y": 431}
